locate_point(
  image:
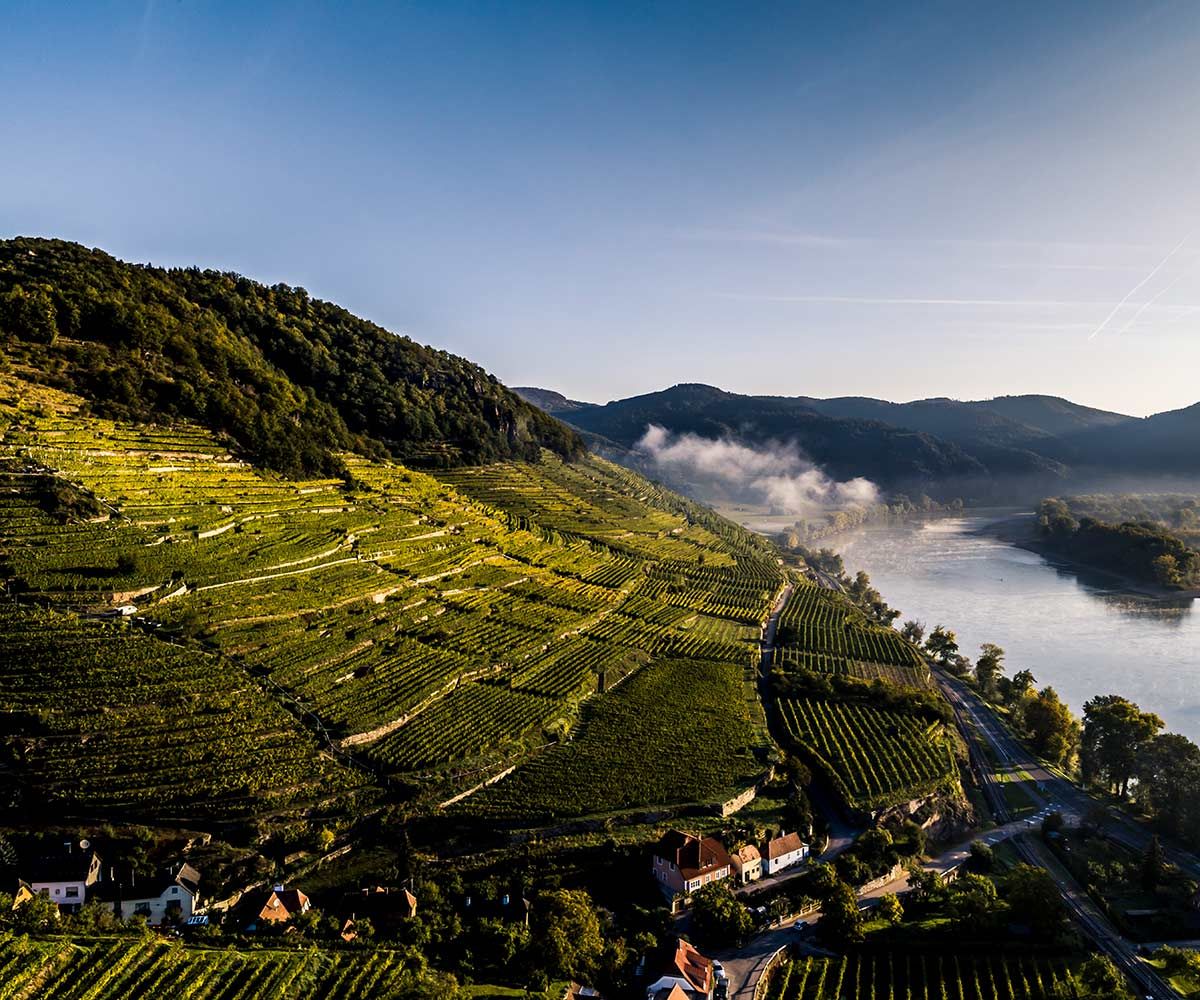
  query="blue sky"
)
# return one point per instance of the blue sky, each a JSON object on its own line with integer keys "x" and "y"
{"x": 609, "y": 198}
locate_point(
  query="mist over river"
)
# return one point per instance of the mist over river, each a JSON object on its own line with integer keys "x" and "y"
{"x": 1080, "y": 632}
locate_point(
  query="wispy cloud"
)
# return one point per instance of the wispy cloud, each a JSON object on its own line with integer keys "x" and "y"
{"x": 1150, "y": 301}
{"x": 870, "y": 300}
{"x": 1134, "y": 290}
{"x": 144, "y": 28}
{"x": 771, "y": 236}
{"x": 782, "y": 235}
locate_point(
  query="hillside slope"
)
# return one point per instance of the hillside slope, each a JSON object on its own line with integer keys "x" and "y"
{"x": 188, "y": 638}
{"x": 297, "y": 641}
{"x": 287, "y": 378}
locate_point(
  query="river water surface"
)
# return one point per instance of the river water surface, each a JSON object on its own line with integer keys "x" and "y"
{"x": 1082, "y": 634}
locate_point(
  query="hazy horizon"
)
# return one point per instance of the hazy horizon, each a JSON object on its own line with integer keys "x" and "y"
{"x": 607, "y": 200}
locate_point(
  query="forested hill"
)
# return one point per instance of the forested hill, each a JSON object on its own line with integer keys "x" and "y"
{"x": 891, "y": 456}
{"x": 289, "y": 379}
{"x": 1010, "y": 447}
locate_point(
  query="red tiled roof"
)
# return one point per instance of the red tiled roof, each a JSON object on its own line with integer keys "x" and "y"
{"x": 693, "y": 856}
{"x": 283, "y": 904}
{"x": 693, "y": 966}
{"x": 784, "y": 844}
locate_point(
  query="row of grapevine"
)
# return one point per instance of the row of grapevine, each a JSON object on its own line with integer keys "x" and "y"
{"x": 873, "y": 754}
{"x": 120, "y": 968}
{"x": 918, "y": 976}
{"x": 676, "y": 731}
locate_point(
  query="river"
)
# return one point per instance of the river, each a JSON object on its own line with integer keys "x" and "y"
{"x": 1079, "y": 632}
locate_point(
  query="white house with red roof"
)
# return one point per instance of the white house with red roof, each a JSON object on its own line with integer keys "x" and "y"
{"x": 784, "y": 851}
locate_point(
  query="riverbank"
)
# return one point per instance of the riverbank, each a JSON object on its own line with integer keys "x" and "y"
{"x": 1076, "y": 630}
{"x": 1019, "y": 530}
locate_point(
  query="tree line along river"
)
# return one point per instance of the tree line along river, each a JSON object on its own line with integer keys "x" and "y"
{"x": 1082, "y": 633}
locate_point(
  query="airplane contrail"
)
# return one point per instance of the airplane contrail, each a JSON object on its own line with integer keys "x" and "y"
{"x": 1150, "y": 301}
{"x": 1134, "y": 290}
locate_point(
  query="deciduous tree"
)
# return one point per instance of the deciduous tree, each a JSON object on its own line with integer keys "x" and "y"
{"x": 1115, "y": 733}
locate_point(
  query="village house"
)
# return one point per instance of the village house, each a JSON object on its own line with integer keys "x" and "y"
{"x": 385, "y": 907}
{"x": 278, "y": 906}
{"x": 576, "y": 992}
{"x": 22, "y": 894}
{"x": 65, "y": 878}
{"x": 683, "y": 863}
{"x": 684, "y": 973}
{"x": 784, "y": 851}
{"x": 170, "y": 897}
{"x": 747, "y": 864}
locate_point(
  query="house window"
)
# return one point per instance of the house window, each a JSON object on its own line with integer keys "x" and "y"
{"x": 672, "y": 863}
{"x": 174, "y": 890}
{"x": 72, "y": 892}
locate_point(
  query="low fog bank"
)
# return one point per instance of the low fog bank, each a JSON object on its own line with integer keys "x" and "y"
{"x": 776, "y": 475}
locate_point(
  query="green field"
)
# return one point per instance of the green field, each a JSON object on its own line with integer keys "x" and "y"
{"x": 678, "y": 731}
{"x": 917, "y": 976}
{"x": 103, "y": 718}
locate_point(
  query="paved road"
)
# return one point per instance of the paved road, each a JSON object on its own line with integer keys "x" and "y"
{"x": 1049, "y": 790}
{"x": 1055, "y": 791}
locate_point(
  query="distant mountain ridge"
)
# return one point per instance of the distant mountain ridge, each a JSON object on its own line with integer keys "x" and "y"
{"x": 548, "y": 400}
{"x": 997, "y": 448}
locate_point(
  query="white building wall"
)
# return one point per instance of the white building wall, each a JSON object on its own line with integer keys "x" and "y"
{"x": 785, "y": 860}
{"x": 62, "y": 893}
{"x": 159, "y": 905}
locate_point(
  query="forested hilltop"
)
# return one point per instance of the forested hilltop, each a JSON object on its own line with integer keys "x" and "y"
{"x": 289, "y": 379}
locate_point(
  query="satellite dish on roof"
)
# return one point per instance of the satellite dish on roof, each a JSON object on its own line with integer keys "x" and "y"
{"x": 84, "y": 844}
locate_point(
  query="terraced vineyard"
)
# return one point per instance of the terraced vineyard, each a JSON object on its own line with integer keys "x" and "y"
{"x": 874, "y": 756}
{"x": 820, "y": 630}
{"x": 391, "y": 622}
{"x": 100, "y": 718}
{"x": 654, "y": 740}
{"x": 917, "y": 976}
{"x": 296, "y": 639}
{"x": 120, "y": 968}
